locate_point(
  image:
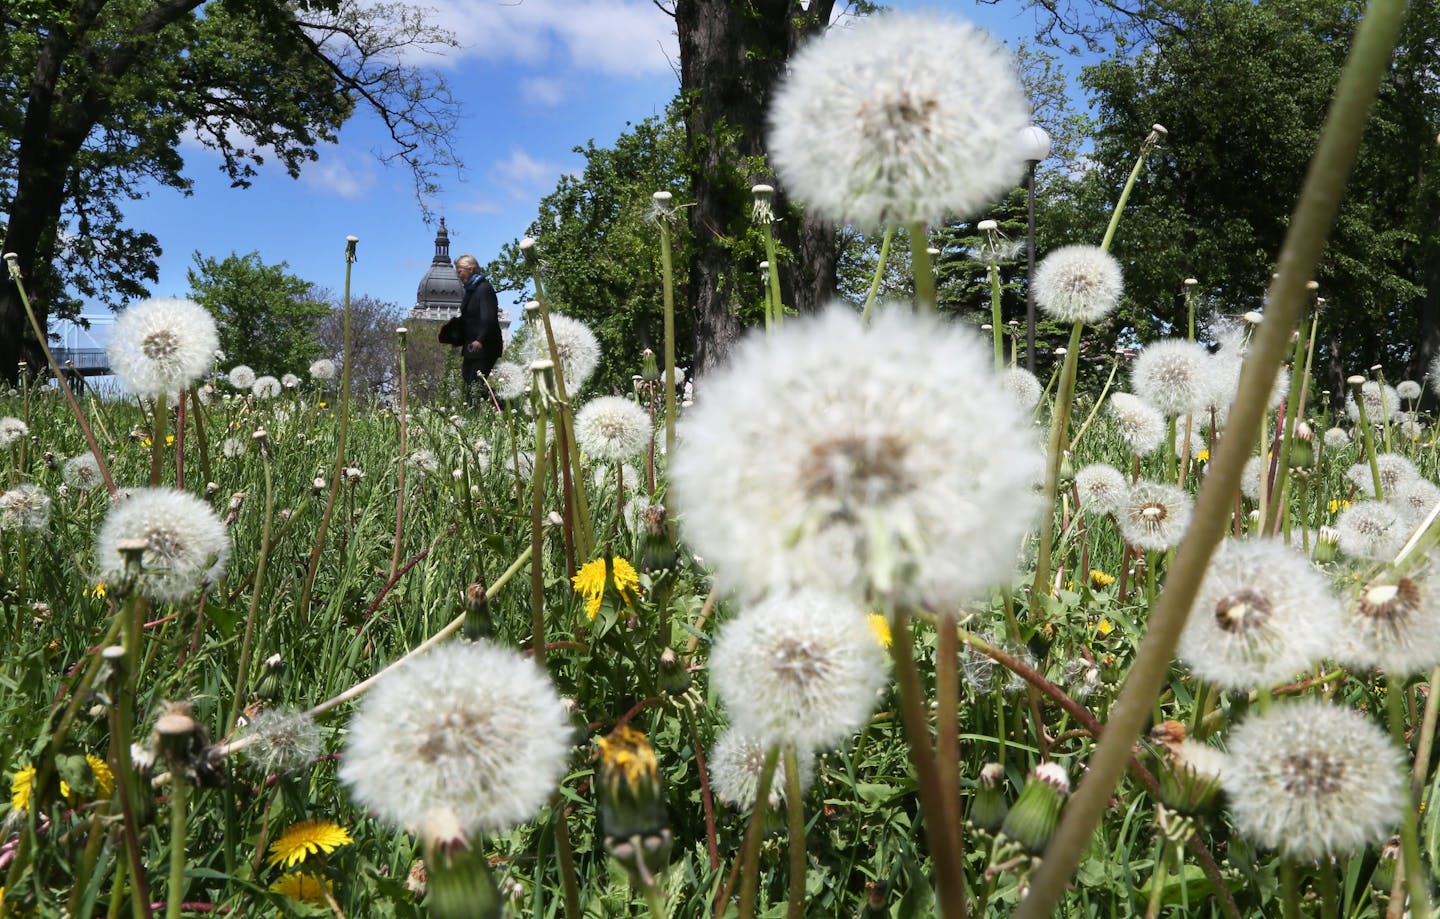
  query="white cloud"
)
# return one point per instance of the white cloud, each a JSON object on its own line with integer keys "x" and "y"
{"x": 520, "y": 173}
{"x": 474, "y": 206}
{"x": 341, "y": 175}
{"x": 610, "y": 37}
{"x": 544, "y": 91}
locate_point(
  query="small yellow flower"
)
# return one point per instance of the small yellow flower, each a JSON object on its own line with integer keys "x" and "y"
{"x": 589, "y": 582}
{"x": 145, "y": 441}
{"x": 97, "y": 590}
{"x": 880, "y": 628}
{"x": 1203, "y": 456}
{"x": 20, "y": 785}
{"x": 305, "y": 839}
{"x": 324, "y": 404}
{"x": 1099, "y": 578}
{"x": 23, "y": 782}
{"x": 1104, "y": 626}
{"x": 1338, "y": 505}
{"x": 307, "y": 888}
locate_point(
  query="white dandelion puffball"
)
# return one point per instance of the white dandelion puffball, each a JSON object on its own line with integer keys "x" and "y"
{"x": 1023, "y": 387}
{"x": 612, "y": 428}
{"x": 1263, "y": 613}
{"x": 1254, "y": 477}
{"x": 1102, "y": 488}
{"x": 1408, "y": 390}
{"x": 1395, "y": 473}
{"x": 1078, "y": 284}
{"x": 1392, "y": 625}
{"x": 282, "y": 741}
{"x": 161, "y": 346}
{"x": 241, "y": 377}
{"x": 509, "y": 380}
{"x": 12, "y": 431}
{"x": 736, "y": 762}
{"x": 1174, "y": 375}
{"x": 322, "y": 370}
{"x": 1370, "y": 530}
{"x": 1381, "y": 401}
{"x": 1154, "y": 516}
{"x": 81, "y": 471}
{"x": 899, "y": 119}
{"x": 1335, "y": 438}
{"x": 914, "y": 479}
{"x": 423, "y": 461}
{"x": 289, "y": 381}
{"x": 798, "y": 668}
{"x": 1434, "y": 375}
{"x": 266, "y": 387}
{"x": 474, "y": 732}
{"x": 186, "y": 544}
{"x": 25, "y": 507}
{"x": 1414, "y": 500}
{"x": 577, "y": 346}
{"x": 1313, "y": 780}
{"x": 1141, "y": 425}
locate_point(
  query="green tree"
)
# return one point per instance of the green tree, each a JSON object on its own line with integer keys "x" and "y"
{"x": 601, "y": 251}
{"x": 267, "y": 317}
{"x": 1243, "y": 89}
{"x": 96, "y": 96}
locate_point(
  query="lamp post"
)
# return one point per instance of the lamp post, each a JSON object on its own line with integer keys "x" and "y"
{"x": 1034, "y": 146}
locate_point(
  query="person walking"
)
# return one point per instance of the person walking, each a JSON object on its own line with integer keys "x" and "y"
{"x": 482, "y": 341}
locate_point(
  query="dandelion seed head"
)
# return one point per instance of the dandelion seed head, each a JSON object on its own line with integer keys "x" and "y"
{"x": 1023, "y": 387}
{"x": 186, "y": 544}
{"x": 322, "y": 370}
{"x": 1263, "y": 613}
{"x": 1078, "y": 284}
{"x": 1141, "y": 425}
{"x": 423, "y": 461}
{"x": 162, "y": 346}
{"x": 1380, "y": 399}
{"x": 1392, "y": 625}
{"x": 1154, "y": 516}
{"x": 903, "y": 118}
{"x": 82, "y": 471}
{"x": 914, "y": 479}
{"x": 1102, "y": 488}
{"x": 577, "y": 346}
{"x": 1313, "y": 780}
{"x": 1414, "y": 500}
{"x": 241, "y": 376}
{"x": 1395, "y": 473}
{"x": 1370, "y": 530}
{"x": 1335, "y": 438}
{"x": 1408, "y": 390}
{"x": 1174, "y": 375}
{"x": 26, "y": 508}
{"x": 735, "y": 764}
{"x": 266, "y": 387}
{"x": 285, "y": 741}
{"x": 12, "y": 430}
{"x": 509, "y": 380}
{"x": 612, "y": 428}
{"x": 799, "y": 668}
{"x": 471, "y": 731}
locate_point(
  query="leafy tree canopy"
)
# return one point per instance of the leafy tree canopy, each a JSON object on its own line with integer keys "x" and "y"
{"x": 267, "y": 316}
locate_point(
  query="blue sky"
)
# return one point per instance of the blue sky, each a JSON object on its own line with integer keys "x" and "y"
{"x": 537, "y": 78}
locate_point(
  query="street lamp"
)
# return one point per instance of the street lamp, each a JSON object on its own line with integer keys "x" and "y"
{"x": 1034, "y": 145}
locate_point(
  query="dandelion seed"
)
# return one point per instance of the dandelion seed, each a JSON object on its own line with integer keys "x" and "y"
{"x": 1078, "y": 284}
{"x": 285, "y": 741}
{"x": 473, "y": 732}
{"x": 1154, "y": 516}
{"x": 577, "y": 346}
{"x": 12, "y": 430}
{"x": 914, "y": 480}
{"x": 1414, "y": 500}
{"x": 266, "y": 387}
{"x": 1395, "y": 473}
{"x": 186, "y": 544}
{"x": 799, "y": 668}
{"x": 1174, "y": 375}
{"x": 322, "y": 370}
{"x": 735, "y": 764}
{"x": 1262, "y": 614}
{"x": 1408, "y": 390}
{"x": 510, "y": 380}
{"x": 241, "y": 377}
{"x": 162, "y": 346}
{"x": 1141, "y": 425}
{"x": 900, "y": 119}
{"x": 1102, "y": 488}
{"x": 1313, "y": 780}
{"x": 1393, "y": 625}
{"x": 612, "y": 428}
{"x": 1335, "y": 438}
{"x": 25, "y": 508}
{"x": 1023, "y": 387}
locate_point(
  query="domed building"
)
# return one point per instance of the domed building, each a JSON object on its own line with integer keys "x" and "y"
{"x": 439, "y": 295}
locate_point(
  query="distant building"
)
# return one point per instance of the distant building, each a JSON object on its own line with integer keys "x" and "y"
{"x": 439, "y": 294}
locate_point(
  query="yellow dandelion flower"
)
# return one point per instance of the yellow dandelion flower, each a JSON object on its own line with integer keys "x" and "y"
{"x": 22, "y": 784}
{"x": 1203, "y": 456}
{"x": 104, "y": 778}
{"x": 589, "y": 582}
{"x": 880, "y": 628}
{"x": 144, "y": 441}
{"x": 169, "y": 440}
{"x": 97, "y": 590}
{"x": 307, "y": 888}
{"x": 20, "y": 787}
{"x": 1104, "y": 626}
{"x": 305, "y": 839}
{"x": 1099, "y": 578}
{"x": 324, "y": 404}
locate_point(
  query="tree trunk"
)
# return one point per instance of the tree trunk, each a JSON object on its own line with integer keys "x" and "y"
{"x": 731, "y": 55}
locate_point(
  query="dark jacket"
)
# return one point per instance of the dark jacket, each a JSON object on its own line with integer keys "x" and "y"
{"x": 480, "y": 318}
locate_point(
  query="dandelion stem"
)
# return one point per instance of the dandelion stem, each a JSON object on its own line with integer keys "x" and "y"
{"x": 537, "y": 532}
{"x": 247, "y": 642}
{"x": 750, "y": 853}
{"x": 1150, "y": 143}
{"x": 996, "y": 320}
{"x": 923, "y": 269}
{"x": 1059, "y": 429}
{"x": 1415, "y": 879}
{"x": 1289, "y": 890}
{"x": 776, "y": 305}
{"x": 175, "y": 891}
{"x": 795, "y": 825}
{"x": 1367, "y": 431}
{"x": 667, "y": 275}
{"x": 1292, "y": 415}
{"x": 1319, "y": 201}
{"x": 404, "y": 419}
{"x": 879, "y": 272}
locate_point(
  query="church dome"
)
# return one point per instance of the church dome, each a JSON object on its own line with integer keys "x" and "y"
{"x": 440, "y": 292}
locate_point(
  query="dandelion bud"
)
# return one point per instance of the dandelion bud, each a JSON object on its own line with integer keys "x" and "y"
{"x": 236, "y": 499}
{"x": 649, "y": 369}
{"x": 632, "y": 804}
{"x": 1355, "y": 381}
{"x": 353, "y": 474}
{"x": 1156, "y": 135}
{"x": 457, "y": 876}
{"x": 271, "y": 683}
{"x": 1327, "y": 545}
{"x": 174, "y": 731}
{"x": 657, "y": 550}
{"x": 478, "y": 623}
{"x": 674, "y": 677}
{"x": 317, "y": 486}
{"x": 989, "y": 808}
{"x": 1031, "y": 822}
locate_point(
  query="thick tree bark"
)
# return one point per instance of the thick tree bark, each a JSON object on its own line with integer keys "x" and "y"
{"x": 731, "y": 56}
